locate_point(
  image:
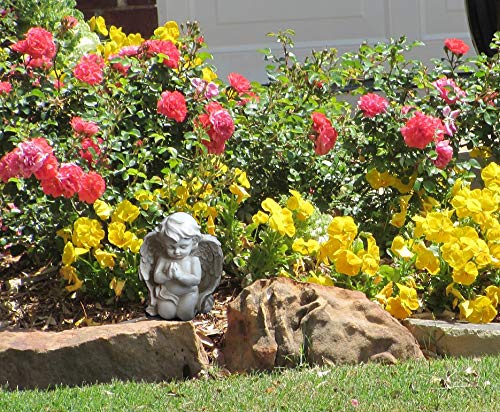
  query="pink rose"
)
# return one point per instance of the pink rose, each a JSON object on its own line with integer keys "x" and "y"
{"x": 448, "y": 90}
{"x": 90, "y": 150}
{"x": 372, "y": 104}
{"x": 444, "y": 154}
{"x": 89, "y": 69}
{"x": 32, "y": 155}
{"x": 239, "y": 83}
{"x": 219, "y": 126}
{"x": 5, "y": 87}
{"x": 49, "y": 168}
{"x": 38, "y": 43}
{"x": 421, "y": 129}
{"x": 172, "y": 105}
{"x": 83, "y": 127}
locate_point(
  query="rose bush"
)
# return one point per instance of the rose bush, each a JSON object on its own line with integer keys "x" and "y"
{"x": 315, "y": 176}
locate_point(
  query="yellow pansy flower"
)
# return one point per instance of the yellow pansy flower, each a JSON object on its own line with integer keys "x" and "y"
{"x": 87, "y": 233}
{"x": 260, "y": 218}
{"x": 408, "y": 295}
{"x": 320, "y": 279}
{"x": 208, "y": 74}
{"x": 169, "y": 31}
{"x": 210, "y": 225}
{"x": 347, "y": 263}
{"x": 309, "y": 247}
{"x": 134, "y": 39}
{"x": 466, "y": 275}
{"x": 479, "y": 310}
{"x": 270, "y": 205}
{"x": 70, "y": 253}
{"x": 105, "y": 259}
{"x": 426, "y": 259}
{"x": 135, "y": 244}
{"x": 398, "y": 219}
{"x": 491, "y": 176}
{"x": 343, "y": 228}
{"x": 400, "y": 248}
{"x": 118, "y": 235}
{"x": 117, "y": 35}
{"x": 493, "y": 293}
{"x": 385, "y": 293}
{"x": 98, "y": 24}
{"x": 455, "y": 292}
{"x": 241, "y": 177}
{"x": 69, "y": 273}
{"x": 429, "y": 203}
{"x": 102, "y": 209}
{"x": 395, "y": 307}
{"x": 437, "y": 227}
{"x": 240, "y": 192}
{"x": 282, "y": 222}
{"x": 303, "y": 207}
{"x": 379, "y": 180}
{"x": 125, "y": 212}
{"x": 117, "y": 286}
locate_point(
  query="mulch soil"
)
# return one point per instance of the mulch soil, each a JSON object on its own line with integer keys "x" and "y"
{"x": 35, "y": 299}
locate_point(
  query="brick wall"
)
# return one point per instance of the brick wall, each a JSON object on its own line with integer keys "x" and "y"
{"x": 134, "y": 16}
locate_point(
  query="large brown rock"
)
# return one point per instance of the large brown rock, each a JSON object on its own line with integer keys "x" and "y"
{"x": 148, "y": 350}
{"x": 280, "y": 322}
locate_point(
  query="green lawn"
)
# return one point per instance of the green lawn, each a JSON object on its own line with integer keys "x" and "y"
{"x": 437, "y": 385}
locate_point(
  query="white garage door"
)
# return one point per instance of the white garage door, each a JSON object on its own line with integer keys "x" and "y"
{"x": 235, "y": 29}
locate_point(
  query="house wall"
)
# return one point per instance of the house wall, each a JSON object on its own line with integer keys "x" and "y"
{"x": 236, "y": 29}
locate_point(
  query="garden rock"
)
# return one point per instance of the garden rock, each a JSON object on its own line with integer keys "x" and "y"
{"x": 456, "y": 338}
{"x": 279, "y": 322}
{"x": 149, "y": 350}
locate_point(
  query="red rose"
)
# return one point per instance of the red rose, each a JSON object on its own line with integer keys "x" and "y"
{"x": 89, "y": 69}
{"x": 38, "y": 43}
{"x": 83, "y": 127}
{"x": 320, "y": 121}
{"x": 456, "y": 46}
{"x": 166, "y": 47}
{"x": 421, "y": 129}
{"x": 239, "y": 83}
{"x": 5, "y": 87}
{"x": 444, "y": 154}
{"x": 49, "y": 168}
{"x": 90, "y": 150}
{"x": 448, "y": 90}
{"x": 372, "y": 104}
{"x": 70, "y": 176}
{"x": 325, "y": 135}
{"x": 325, "y": 141}
{"x": 51, "y": 186}
{"x": 92, "y": 187}
{"x": 10, "y": 165}
{"x": 172, "y": 105}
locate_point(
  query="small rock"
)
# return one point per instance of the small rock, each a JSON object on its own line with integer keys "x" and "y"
{"x": 149, "y": 350}
{"x": 279, "y": 322}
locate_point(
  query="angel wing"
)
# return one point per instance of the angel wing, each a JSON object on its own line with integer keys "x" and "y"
{"x": 209, "y": 252}
{"x": 150, "y": 248}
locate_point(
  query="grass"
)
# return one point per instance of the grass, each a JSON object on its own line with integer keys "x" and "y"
{"x": 457, "y": 384}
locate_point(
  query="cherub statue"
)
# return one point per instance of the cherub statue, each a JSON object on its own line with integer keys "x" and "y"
{"x": 181, "y": 268}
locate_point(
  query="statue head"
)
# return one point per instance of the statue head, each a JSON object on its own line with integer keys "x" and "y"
{"x": 183, "y": 234}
